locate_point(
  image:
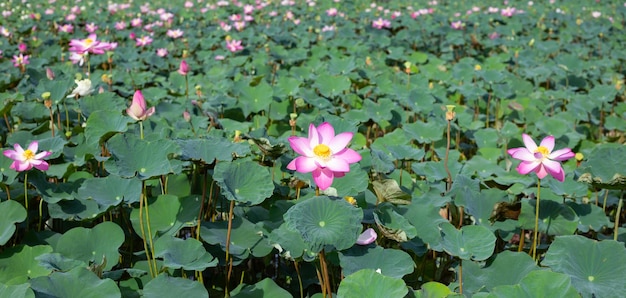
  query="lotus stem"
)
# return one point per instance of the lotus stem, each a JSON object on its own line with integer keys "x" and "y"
{"x": 536, "y": 241}
{"x": 143, "y": 235}
{"x": 295, "y": 264}
{"x": 228, "y": 259}
{"x": 141, "y": 129}
{"x": 461, "y": 276}
{"x": 26, "y": 191}
{"x": 617, "y": 215}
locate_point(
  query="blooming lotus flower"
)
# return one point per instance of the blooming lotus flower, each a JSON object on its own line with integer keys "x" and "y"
{"x": 78, "y": 58}
{"x": 183, "y": 68}
{"x": 541, "y": 159}
{"x": 458, "y": 25}
{"x": 323, "y": 153}
{"x": 83, "y": 89}
{"x": 137, "y": 109}
{"x": 24, "y": 160}
{"x": 162, "y": 52}
{"x": 143, "y": 41}
{"x": 91, "y": 44}
{"x": 20, "y": 60}
{"x": 234, "y": 45}
{"x": 381, "y": 23}
{"x": 368, "y": 236}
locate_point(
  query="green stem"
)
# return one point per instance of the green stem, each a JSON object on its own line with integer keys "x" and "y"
{"x": 26, "y": 191}
{"x": 228, "y": 260}
{"x": 617, "y": 215}
{"x": 141, "y": 129}
{"x": 536, "y": 241}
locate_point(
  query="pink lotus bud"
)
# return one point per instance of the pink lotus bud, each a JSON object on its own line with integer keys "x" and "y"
{"x": 183, "y": 69}
{"x": 22, "y": 47}
{"x": 186, "y": 116}
{"x": 49, "y": 73}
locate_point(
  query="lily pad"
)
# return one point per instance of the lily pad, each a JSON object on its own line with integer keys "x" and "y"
{"x": 263, "y": 288}
{"x": 369, "y": 283}
{"x": 539, "y": 283}
{"x": 12, "y": 213}
{"x": 18, "y": 263}
{"x": 322, "y": 221}
{"x": 597, "y": 268}
{"x": 497, "y": 271}
{"x": 167, "y": 286}
{"x": 554, "y": 218}
{"x": 188, "y": 254}
{"x": 99, "y": 244}
{"x": 387, "y": 261}
{"x": 63, "y": 284}
{"x": 244, "y": 181}
{"x": 474, "y": 243}
{"x": 605, "y": 167}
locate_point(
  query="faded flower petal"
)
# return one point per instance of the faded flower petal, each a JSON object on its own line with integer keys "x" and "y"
{"x": 368, "y": 236}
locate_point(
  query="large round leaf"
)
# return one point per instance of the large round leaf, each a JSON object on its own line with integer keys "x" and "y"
{"x": 16, "y": 291}
{"x": 597, "y": 268}
{"x": 188, "y": 254}
{"x": 497, "y": 271}
{"x": 245, "y": 237}
{"x": 79, "y": 282}
{"x": 244, "y": 181}
{"x": 110, "y": 191}
{"x": 369, "y": 283}
{"x": 554, "y": 218}
{"x": 264, "y": 288}
{"x": 539, "y": 283}
{"x": 12, "y": 212}
{"x": 469, "y": 243}
{"x": 92, "y": 245}
{"x": 167, "y": 214}
{"x": 132, "y": 156}
{"x": 288, "y": 242}
{"x": 19, "y": 263}
{"x": 390, "y": 262}
{"x": 167, "y": 286}
{"x": 322, "y": 221}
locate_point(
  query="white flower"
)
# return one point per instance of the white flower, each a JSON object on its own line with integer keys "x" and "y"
{"x": 84, "y": 88}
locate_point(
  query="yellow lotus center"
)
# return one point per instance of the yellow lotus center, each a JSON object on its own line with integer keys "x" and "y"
{"x": 88, "y": 41}
{"x": 543, "y": 150}
{"x": 28, "y": 155}
{"x": 322, "y": 151}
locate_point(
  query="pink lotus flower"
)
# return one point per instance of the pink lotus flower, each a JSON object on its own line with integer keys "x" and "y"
{"x": 22, "y": 47}
{"x": 234, "y": 45}
{"x": 331, "y": 12}
{"x": 368, "y": 236}
{"x": 137, "y": 109}
{"x": 162, "y": 52}
{"x": 21, "y": 60}
{"x": 91, "y": 44}
{"x": 381, "y": 23}
{"x": 323, "y": 153}
{"x": 508, "y": 12}
{"x": 541, "y": 160}
{"x": 24, "y": 160}
{"x": 120, "y": 25}
{"x": 67, "y": 28}
{"x": 174, "y": 33}
{"x": 458, "y": 25}
{"x": 183, "y": 68}
{"x": 91, "y": 27}
{"x": 143, "y": 41}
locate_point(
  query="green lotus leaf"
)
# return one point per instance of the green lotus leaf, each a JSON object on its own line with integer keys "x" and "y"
{"x": 162, "y": 213}
{"x": 538, "y": 283}
{"x": 387, "y": 261}
{"x": 254, "y": 99}
{"x": 604, "y": 167}
{"x": 425, "y": 132}
{"x": 382, "y": 162}
{"x": 424, "y": 215}
{"x": 75, "y": 209}
{"x": 188, "y": 254}
{"x": 603, "y": 93}
{"x": 110, "y": 190}
{"x": 554, "y": 218}
{"x": 288, "y": 242}
{"x": 245, "y": 237}
{"x": 102, "y": 125}
{"x": 18, "y": 263}
{"x": 497, "y": 271}
{"x": 64, "y": 284}
{"x": 16, "y": 291}
{"x": 244, "y": 181}
{"x": 353, "y": 183}
{"x": 590, "y": 216}
{"x": 132, "y": 156}
{"x": 105, "y": 101}
{"x": 322, "y": 221}
{"x": 597, "y": 268}
{"x": 331, "y": 86}
{"x": 393, "y": 225}
{"x": 369, "y": 283}
{"x": 12, "y": 213}
{"x": 98, "y": 245}
{"x": 469, "y": 243}
{"x": 433, "y": 289}
{"x": 263, "y": 288}
{"x": 57, "y": 262}
{"x": 7, "y": 175}
{"x": 212, "y": 148}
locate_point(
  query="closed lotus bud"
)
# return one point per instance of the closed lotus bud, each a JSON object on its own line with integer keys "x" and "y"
{"x": 49, "y": 73}
{"x": 183, "y": 68}
{"x": 187, "y": 116}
